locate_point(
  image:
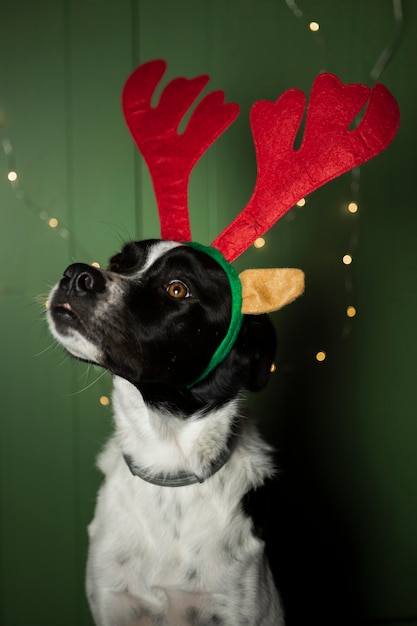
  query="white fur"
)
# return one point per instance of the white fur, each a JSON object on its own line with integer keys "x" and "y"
{"x": 159, "y": 554}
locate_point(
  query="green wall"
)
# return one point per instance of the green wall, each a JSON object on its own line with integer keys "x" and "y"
{"x": 343, "y": 540}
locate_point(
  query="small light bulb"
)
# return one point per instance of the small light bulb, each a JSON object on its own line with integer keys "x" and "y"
{"x": 301, "y": 202}
{"x": 351, "y": 311}
{"x": 314, "y": 26}
{"x": 12, "y": 176}
{"x": 53, "y": 222}
{"x": 352, "y": 207}
{"x": 104, "y": 400}
{"x": 259, "y": 242}
{"x": 95, "y": 264}
{"x": 46, "y": 304}
{"x": 347, "y": 259}
{"x": 273, "y": 368}
{"x": 320, "y": 356}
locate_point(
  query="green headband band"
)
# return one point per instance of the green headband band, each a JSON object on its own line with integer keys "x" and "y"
{"x": 236, "y": 317}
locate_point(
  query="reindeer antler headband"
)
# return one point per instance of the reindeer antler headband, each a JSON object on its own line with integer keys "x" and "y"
{"x": 285, "y": 175}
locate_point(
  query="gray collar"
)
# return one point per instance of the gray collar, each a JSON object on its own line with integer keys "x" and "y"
{"x": 181, "y": 479}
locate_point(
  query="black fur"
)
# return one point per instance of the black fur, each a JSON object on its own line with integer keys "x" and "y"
{"x": 159, "y": 343}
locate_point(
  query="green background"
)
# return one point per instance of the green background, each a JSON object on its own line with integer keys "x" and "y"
{"x": 344, "y": 532}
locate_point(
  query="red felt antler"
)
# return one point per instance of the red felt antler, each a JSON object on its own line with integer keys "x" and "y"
{"x": 329, "y": 147}
{"x": 171, "y": 156}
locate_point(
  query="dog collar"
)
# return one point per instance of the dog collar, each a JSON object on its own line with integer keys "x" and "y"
{"x": 182, "y": 479}
{"x": 236, "y": 319}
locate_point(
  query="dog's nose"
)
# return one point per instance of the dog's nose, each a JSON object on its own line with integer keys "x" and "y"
{"x": 82, "y": 279}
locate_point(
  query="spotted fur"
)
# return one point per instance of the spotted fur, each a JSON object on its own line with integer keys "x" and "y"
{"x": 161, "y": 555}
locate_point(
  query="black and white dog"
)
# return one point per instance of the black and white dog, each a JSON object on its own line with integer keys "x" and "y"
{"x": 170, "y": 543}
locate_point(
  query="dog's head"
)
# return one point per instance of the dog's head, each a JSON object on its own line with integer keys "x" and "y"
{"x": 155, "y": 317}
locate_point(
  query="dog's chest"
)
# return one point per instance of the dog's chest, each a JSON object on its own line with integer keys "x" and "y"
{"x": 166, "y": 533}
{"x": 176, "y": 554}
{"x": 187, "y": 551}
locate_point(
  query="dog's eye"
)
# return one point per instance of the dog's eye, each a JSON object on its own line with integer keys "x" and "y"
{"x": 113, "y": 267}
{"x": 177, "y": 289}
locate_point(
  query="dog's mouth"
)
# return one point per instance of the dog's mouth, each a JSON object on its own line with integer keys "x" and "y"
{"x": 71, "y": 330}
{"x": 65, "y": 316}
{"x": 65, "y": 310}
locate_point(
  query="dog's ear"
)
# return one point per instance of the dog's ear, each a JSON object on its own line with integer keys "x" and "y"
{"x": 254, "y": 351}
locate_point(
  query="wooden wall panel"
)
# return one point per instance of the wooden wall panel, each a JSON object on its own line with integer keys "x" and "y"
{"x": 345, "y": 430}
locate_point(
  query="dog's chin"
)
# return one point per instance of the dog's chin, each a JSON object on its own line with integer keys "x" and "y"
{"x": 76, "y": 344}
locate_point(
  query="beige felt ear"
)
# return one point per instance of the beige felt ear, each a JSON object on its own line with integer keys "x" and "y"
{"x": 267, "y": 290}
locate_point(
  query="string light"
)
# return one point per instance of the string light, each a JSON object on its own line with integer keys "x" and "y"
{"x": 259, "y": 242}
{"x": 20, "y": 193}
{"x": 353, "y": 205}
{"x": 52, "y": 222}
{"x": 301, "y": 202}
{"x": 294, "y": 8}
{"x": 388, "y": 52}
{"x": 12, "y": 176}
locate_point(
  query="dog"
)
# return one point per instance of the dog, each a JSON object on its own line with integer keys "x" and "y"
{"x": 170, "y": 543}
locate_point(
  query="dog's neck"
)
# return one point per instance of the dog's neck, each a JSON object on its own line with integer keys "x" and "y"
{"x": 183, "y": 479}
{"x": 167, "y": 450}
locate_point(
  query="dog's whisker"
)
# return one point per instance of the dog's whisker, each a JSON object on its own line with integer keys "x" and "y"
{"x": 86, "y": 387}
{"x": 120, "y": 231}
{"x": 51, "y": 347}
